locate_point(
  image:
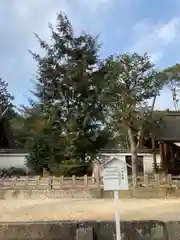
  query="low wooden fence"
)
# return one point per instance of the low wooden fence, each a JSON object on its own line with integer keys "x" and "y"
{"x": 38, "y": 182}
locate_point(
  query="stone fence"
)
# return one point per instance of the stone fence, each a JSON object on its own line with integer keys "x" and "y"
{"x": 84, "y": 187}
{"x": 50, "y": 182}
{"x": 86, "y": 182}
{"x": 92, "y": 230}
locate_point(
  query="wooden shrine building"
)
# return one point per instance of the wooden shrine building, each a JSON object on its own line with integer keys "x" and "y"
{"x": 168, "y": 140}
{"x": 160, "y": 153}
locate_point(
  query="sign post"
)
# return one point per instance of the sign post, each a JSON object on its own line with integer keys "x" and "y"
{"x": 117, "y": 215}
{"x": 115, "y": 179}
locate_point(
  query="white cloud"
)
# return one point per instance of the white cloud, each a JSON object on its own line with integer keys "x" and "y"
{"x": 168, "y": 32}
{"x": 155, "y": 39}
{"x": 25, "y": 17}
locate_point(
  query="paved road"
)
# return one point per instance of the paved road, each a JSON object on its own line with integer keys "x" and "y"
{"x": 130, "y": 209}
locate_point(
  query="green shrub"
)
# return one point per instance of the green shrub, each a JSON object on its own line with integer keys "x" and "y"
{"x": 73, "y": 169}
{"x": 12, "y": 171}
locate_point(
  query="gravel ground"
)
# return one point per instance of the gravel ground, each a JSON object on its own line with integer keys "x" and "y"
{"x": 95, "y": 209}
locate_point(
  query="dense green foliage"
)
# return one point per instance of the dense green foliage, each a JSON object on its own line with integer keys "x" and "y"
{"x": 68, "y": 88}
{"x": 131, "y": 80}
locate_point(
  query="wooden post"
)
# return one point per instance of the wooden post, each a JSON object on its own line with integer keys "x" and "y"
{"x": 145, "y": 179}
{"x": 154, "y": 154}
{"x": 161, "y": 148}
{"x": 85, "y": 180}
{"x": 37, "y": 182}
{"x": 157, "y": 179}
{"x": 14, "y": 180}
{"x": 2, "y": 182}
{"x": 74, "y": 180}
{"x": 169, "y": 179}
{"x": 172, "y": 157}
{"x": 61, "y": 181}
{"x": 50, "y": 182}
{"x": 162, "y": 177}
{"x": 26, "y": 182}
{"x": 98, "y": 182}
{"x": 93, "y": 179}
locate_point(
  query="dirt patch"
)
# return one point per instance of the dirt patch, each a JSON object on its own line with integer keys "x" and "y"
{"x": 100, "y": 209}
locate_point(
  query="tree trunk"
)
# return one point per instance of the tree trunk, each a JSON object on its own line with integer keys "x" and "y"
{"x": 96, "y": 172}
{"x": 154, "y": 154}
{"x": 134, "y": 156}
{"x": 134, "y": 167}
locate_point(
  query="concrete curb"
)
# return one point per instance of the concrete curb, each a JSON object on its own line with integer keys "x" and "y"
{"x": 89, "y": 230}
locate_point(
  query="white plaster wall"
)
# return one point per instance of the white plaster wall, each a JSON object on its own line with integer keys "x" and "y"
{"x": 13, "y": 160}
{"x": 148, "y": 162}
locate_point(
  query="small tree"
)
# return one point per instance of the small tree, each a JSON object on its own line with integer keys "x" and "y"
{"x": 46, "y": 149}
{"x": 6, "y": 99}
{"x": 131, "y": 82}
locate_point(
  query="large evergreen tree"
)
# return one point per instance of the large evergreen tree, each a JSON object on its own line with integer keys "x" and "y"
{"x": 68, "y": 85}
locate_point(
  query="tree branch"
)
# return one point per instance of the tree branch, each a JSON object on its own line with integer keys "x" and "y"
{"x": 140, "y": 138}
{"x": 3, "y": 114}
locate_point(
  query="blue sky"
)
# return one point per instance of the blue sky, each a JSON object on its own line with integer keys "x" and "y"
{"x": 124, "y": 26}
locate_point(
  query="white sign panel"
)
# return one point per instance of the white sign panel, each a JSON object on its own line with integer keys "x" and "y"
{"x": 115, "y": 178}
